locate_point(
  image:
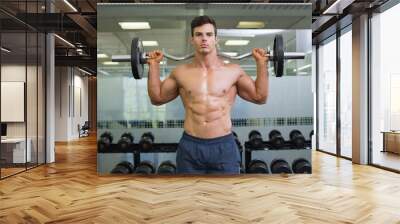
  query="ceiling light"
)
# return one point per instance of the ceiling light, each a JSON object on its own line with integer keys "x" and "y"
{"x": 304, "y": 67}
{"x": 232, "y": 54}
{"x": 65, "y": 41}
{"x": 149, "y": 43}
{"x": 236, "y": 42}
{"x": 70, "y": 5}
{"x": 134, "y": 25}
{"x": 246, "y": 32}
{"x": 338, "y": 6}
{"x": 250, "y": 25}
{"x": 79, "y": 50}
{"x": 226, "y": 61}
{"x": 86, "y": 72}
{"x": 110, "y": 63}
{"x": 102, "y": 56}
{"x": 104, "y": 72}
{"x": 5, "y": 50}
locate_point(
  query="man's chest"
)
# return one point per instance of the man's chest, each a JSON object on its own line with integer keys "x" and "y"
{"x": 195, "y": 81}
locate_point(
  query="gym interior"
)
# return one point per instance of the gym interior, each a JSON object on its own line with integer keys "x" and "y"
{"x": 81, "y": 142}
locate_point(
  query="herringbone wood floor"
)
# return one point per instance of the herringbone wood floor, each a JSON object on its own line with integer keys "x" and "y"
{"x": 70, "y": 191}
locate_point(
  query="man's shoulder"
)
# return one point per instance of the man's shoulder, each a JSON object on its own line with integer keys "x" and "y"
{"x": 232, "y": 66}
{"x": 179, "y": 69}
{"x": 181, "y": 66}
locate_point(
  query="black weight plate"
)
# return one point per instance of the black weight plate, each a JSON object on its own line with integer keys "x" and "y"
{"x": 293, "y": 133}
{"x": 280, "y": 166}
{"x": 301, "y": 166}
{"x": 136, "y": 52}
{"x": 273, "y": 133}
{"x": 254, "y": 132}
{"x": 278, "y": 55}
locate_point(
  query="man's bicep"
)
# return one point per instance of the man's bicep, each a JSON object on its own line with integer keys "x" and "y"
{"x": 246, "y": 87}
{"x": 169, "y": 89}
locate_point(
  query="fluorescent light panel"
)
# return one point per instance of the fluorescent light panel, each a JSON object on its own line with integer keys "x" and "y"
{"x": 110, "y": 63}
{"x": 102, "y": 56}
{"x": 236, "y": 42}
{"x": 250, "y": 25}
{"x": 338, "y": 6}
{"x": 86, "y": 72}
{"x": 304, "y": 67}
{"x": 65, "y": 41}
{"x": 149, "y": 43}
{"x": 104, "y": 72}
{"x": 246, "y": 32}
{"x": 232, "y": 54}
{"x": 70, "y": 5}
{"x": 134, "y": 25}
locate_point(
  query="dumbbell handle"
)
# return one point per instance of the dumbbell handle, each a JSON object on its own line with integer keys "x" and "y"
{"x": 287, "y": 55}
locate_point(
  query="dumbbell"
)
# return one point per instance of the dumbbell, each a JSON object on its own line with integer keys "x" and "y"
{"x": 297, "y": 139}
{"x": 255, "y": 139}
{"x": 139, "y": 57}
{"x": 124, "y": 167}
{"x": 125, "y": 141}
{"x": 105, "y": 141}
{"x": 145, "y": 167}
{"x": 280, "y": 166}
{"x": 257, "y": 166}
{"x": 276, "y": 139}
{"x": 301, "y": 166}
{"x": 166, "y": 167}
{"x": 147, "y": 140}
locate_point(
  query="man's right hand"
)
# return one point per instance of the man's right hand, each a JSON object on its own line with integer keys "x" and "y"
{"x": 155, "y": 57}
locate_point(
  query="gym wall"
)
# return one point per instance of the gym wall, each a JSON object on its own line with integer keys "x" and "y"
{"x": 71, "y": 102}
{"x": 123, "y": 102}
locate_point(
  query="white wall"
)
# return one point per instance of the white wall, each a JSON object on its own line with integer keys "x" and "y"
{"x": 17, "y": 73}
{"x": 71, "y": 94}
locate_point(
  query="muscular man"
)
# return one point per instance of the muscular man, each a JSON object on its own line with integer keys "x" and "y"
{"x": 208, "y": 88}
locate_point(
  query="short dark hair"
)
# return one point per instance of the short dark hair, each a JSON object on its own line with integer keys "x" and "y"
{"x": 201, "y": 20}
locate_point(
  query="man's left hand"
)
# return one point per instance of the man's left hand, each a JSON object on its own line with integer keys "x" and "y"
{"x": 260, "y": 55}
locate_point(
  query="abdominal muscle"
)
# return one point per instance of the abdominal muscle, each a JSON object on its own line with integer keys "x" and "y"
{"x": 207, "y": 116}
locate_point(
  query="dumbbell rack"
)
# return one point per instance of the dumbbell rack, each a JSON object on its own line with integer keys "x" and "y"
{"x": 136, "y": 148}
{"x": 160, "y": 152}
{"x": 286, "y": 146}
{"x": 267, "y": 153}
{"x": 163, "y": 150}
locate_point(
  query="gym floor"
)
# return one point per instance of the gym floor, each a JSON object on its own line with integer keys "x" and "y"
{"x": 387, "y": 159}
{"x": 70, "y": 191}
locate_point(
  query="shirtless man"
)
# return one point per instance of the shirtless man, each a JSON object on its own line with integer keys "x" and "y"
{"x": 208, "y": 89}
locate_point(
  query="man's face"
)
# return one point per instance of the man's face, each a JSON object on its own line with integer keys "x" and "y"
{"x": 204, "y": 40}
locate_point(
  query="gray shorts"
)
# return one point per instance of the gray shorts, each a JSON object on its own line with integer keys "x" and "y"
{"x": 207, "y": 156}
